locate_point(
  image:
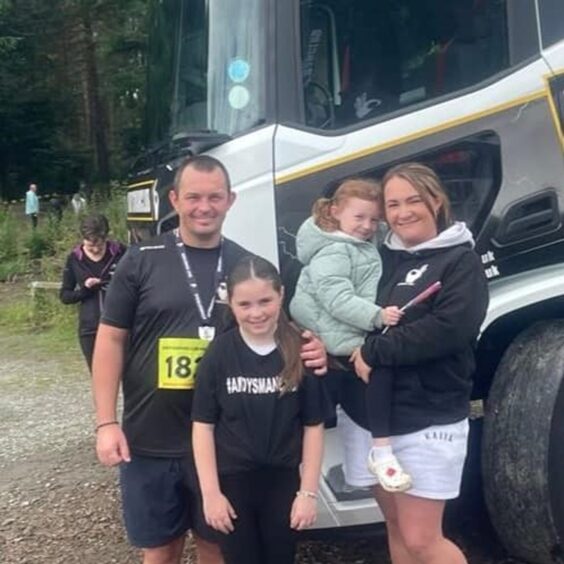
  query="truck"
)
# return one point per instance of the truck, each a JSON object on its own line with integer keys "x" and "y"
{"x": 295, "y": 95}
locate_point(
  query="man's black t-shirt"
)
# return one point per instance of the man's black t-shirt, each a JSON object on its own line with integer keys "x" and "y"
{"x": 238, "y": 391}
{"x": 149, "y": 296}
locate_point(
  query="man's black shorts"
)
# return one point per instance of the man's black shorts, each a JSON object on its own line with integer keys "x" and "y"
{"x": 158, "y": 499}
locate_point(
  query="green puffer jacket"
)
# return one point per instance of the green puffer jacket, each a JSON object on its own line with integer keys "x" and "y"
{"x": 336, "y": 292}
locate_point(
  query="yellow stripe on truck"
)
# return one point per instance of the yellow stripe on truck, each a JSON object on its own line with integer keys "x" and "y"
{"x": 282, "y": 179}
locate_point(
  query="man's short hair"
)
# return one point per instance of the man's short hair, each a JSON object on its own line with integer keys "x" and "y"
{"x": 203, "y": 163}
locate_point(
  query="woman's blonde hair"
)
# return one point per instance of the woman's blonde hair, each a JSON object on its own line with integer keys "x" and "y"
{"x": 362, "y": 188}
{"x": 428, "y": 186}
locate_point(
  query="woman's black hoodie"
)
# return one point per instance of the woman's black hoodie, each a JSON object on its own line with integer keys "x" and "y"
{"x": 77, "y": 269}
{"x": 431, "y": 352}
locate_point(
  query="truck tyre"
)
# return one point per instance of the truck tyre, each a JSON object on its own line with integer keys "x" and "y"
{"x": 523, "y": 445}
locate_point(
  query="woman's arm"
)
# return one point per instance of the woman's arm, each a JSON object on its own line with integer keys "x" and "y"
{"x": 218, "y": 511}
{"x": 69, "y": 293}
{"x": 304, "y": 508}
{"x": 452, "y": 324}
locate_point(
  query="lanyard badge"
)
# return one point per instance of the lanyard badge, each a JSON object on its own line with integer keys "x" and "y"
{"x": 206, "y": 331}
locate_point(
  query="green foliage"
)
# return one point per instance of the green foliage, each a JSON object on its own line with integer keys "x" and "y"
{"x": 37, "y": 245}
{"x": 11, "y": 268}
{"x": 8, "y": 242}
{"x": 16, "y": 315}
{"x": 40, "y": 255}
{"x": 45, "y": 311}
{"x": 43, "y": 314}
{"x": 72, "y": 91}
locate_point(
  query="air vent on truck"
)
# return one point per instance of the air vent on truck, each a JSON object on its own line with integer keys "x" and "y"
{"x": 530, "y": 217}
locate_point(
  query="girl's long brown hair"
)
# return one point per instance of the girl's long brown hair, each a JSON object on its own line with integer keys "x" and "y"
{"x": 287, "y": 337}
{"x": 362, "y": 188}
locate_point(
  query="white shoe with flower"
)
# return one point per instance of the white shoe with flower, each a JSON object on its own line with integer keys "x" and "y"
{"x": 389, "y": 472}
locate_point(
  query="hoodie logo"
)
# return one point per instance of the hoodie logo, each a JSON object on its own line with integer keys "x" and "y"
{"x": 413, "y": 275}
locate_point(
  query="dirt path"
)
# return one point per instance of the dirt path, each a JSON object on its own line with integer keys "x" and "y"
{"x": 57, "y": 505}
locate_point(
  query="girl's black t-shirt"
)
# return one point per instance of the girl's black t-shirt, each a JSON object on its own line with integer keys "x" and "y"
{"x": 238, "y": 391}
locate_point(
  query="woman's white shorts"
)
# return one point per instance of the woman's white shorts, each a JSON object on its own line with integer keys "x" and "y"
{"x": 434, "y": 457}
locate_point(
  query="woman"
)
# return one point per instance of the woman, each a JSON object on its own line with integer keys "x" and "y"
{"x": 430, "y": 355}
{"x": 257, "y": 417}
{"x": 87, "y": 273}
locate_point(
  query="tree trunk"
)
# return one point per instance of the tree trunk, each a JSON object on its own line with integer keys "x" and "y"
{"x": 96, "y": 116}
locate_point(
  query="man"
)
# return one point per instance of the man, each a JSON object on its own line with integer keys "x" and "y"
{"x": 32, "y": 204}
{"x": 56, "y": 205}
{"x": 164, "y": 305}
{"x": 78, "y": 203}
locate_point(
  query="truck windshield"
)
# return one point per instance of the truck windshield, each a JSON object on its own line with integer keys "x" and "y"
{"x": 206, "y": 68}
{"x": 363, "y": 59}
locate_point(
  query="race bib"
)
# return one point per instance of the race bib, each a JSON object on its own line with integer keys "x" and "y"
{"x": 178, "y": 360}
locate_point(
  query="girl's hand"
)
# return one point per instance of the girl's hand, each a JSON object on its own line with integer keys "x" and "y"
{"x": 313, "y": 353}
{"x": 391, "y": 315}
{"x": 304, "y": 512}
{"x": 219, "y": 513}
{"x": 360, "y": 367}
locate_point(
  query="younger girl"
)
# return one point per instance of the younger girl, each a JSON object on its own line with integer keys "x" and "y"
{"x": 336, "y": 294}
{"x": 257, "y": 416}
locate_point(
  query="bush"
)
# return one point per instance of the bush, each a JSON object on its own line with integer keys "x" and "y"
{"x": 8, "y": 241}
{"x": 37, "y": 245}
{"x": 11, "y": 268}
{"x": 47, "y": 311}
{"x": 40, "y": 254}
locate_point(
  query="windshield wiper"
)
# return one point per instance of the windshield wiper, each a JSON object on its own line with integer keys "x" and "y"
{"x": 197, "y": 142}
{"x": 182, "y": 143}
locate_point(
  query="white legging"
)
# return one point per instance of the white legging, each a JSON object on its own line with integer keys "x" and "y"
{"x": 356, "y": 443}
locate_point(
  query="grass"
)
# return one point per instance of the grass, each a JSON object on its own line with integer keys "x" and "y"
{"x": 27, "y": 255}
{"x": 44, "y": 317}
{"x": 40, "y": 254}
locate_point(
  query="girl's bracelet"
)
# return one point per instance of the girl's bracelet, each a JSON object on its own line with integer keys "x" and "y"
{"x": 106, "y": 424}
{"x": 306, "y": 493}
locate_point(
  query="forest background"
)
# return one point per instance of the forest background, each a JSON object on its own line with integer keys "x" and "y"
{"x": 72, "y": 93}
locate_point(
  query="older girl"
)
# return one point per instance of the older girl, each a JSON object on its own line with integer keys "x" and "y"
{"x": 257, "y": 417}
{"x": 430, "y": 356}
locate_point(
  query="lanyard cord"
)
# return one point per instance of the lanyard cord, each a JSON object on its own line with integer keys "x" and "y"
{"x": 205, "y": 315}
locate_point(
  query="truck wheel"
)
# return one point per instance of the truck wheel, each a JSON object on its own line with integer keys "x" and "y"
{"x": 523, "y": 445}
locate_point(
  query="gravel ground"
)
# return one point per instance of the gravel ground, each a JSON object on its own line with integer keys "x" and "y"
{"x": 57, "y": 505}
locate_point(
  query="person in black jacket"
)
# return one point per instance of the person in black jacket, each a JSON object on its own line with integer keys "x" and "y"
{"x": 430, "y": 355}
{"x": 87, "y": 273}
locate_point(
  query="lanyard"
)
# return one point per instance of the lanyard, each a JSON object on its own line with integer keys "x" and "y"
{"x": 205, "y": 316}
